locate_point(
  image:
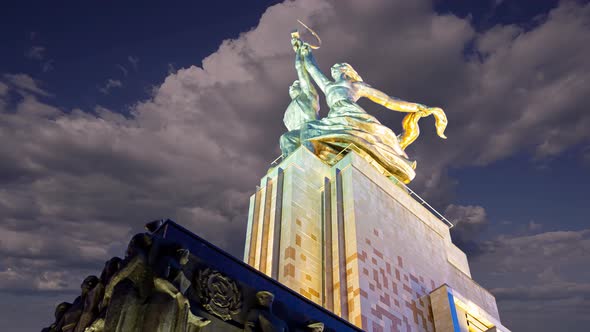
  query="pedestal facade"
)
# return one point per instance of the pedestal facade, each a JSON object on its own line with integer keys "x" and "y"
{"x": 349, "y": 239}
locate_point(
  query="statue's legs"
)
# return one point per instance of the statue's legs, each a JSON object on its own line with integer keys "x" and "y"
{"x": 124, "y": 311}
{"x": 289, "y": 142}
{"x": 348, "y": 126}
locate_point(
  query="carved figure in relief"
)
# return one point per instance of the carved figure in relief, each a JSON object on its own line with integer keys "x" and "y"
{"x": 148, "y": 292}
{"x": 261, "y": 318}
{"x": 316, "y": 327}
{"x": 76, "y": 310}
{"x": 60, "y": 310}
{"x": 168, "y": 310}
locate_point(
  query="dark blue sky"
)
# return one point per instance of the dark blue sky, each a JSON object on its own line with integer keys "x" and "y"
{"x": 488, "y": 13}
{"x": 86, "y": 40}
{"x": 519, "y": 190}
{"x": 94, "y": 54}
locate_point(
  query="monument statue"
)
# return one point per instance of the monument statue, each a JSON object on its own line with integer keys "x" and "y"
{"x": 146, "y": 291}
{"x": 60, "y": 310}
{"x": 261, "y": 318}
{"x": 347, "y": 124}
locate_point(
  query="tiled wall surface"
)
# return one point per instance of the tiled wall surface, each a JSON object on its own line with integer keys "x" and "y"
{"x": 285, "y": 221}
{"x": 347, "y": 238}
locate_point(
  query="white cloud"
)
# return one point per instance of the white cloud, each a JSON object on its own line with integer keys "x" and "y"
{"x": 466, "y": 214}
{"x": 551, "y": 292}
{"x": 543, "y": 277}
{"x": 3, "y": 89}
{"x": 171, "y": 69}
{"x": 109, "y": 85}
{"x": 467, "y": 219}
{"x": 47, "y": 66}
{"x": 36, "y": 53}
{"x": 24, "y": 83}
{"x": 208, "y": 128}
{"x": 533, "y": 226}
{"x": 195, "y": 150}
{"x": 134, "y": 61}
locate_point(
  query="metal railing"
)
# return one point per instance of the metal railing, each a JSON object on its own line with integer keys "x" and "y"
{"x": 428, "y": 206}
{"x": 274, "y": 162}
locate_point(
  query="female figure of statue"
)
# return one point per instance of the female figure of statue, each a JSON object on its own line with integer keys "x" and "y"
{"x": 347, "y": 122}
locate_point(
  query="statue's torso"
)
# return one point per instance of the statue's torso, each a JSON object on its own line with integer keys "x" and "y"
{"x": 340, "y": 90}
{"x": 300, "y": 110}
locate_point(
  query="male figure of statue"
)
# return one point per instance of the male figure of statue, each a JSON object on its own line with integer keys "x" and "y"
{"x": 304, "y": 106}
{"x": 261, "y": 318}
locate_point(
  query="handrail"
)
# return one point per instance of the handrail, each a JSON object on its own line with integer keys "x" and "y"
{"x": 423, "y": 202}
{"x": 410, "y": 191}
{"x": 282, "y": 156}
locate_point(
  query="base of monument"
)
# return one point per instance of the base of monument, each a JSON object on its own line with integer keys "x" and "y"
{"x": 348, "y": 238}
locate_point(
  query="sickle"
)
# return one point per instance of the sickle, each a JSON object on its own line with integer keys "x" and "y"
{"x": 314, "y": 34}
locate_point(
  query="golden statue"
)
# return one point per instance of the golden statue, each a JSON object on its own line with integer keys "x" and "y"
{"x": 348, "y": 125}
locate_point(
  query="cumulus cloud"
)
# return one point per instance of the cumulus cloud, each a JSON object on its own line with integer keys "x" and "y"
{"x": 533, "y": 226}
{"x": 171, "y": 68}
{"x": 567, "y": 247}
{"x": 520, "y": 92}
{"x": 545, "y": 86}
{"x": 24, "y": 84}
{"x": 469, "y": 221}
{"x": 3, "y": 89}
{"x": 79, "y": 183}
{"x": 207, "y": 128}
{"x": 538, "y": 278}
{"x": 466, "y": 216}
{"x": 552, "y": 292}
{"x": 38, "y": 53}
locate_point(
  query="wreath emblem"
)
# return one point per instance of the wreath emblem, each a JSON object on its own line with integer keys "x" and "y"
{"x": 219, "y": 294}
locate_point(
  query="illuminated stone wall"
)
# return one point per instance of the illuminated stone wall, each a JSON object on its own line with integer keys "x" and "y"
{"x": 349, "y": 239}
{"x": 288, "y": 208}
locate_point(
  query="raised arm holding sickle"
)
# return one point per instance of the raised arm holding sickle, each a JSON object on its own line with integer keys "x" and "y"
{"x": 304, "y": 82}
{"x": 304, "y": 105}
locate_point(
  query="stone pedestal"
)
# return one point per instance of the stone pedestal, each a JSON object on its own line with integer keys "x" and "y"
{"x": 349, "y": 239}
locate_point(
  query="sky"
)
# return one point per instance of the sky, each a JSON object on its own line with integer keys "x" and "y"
{"x": 114, "y": 114}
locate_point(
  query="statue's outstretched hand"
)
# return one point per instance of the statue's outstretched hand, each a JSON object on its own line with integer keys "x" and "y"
{"x": 304, "y": 49}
